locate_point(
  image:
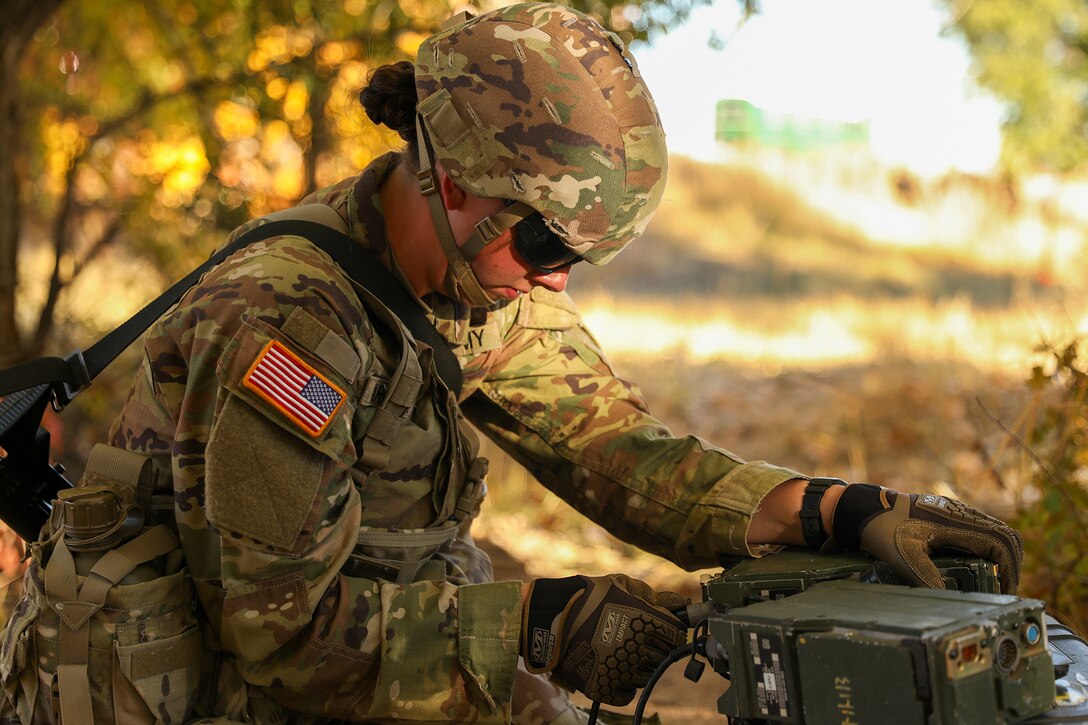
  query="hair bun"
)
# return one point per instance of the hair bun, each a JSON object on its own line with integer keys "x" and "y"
{"x": 389, "y": 98}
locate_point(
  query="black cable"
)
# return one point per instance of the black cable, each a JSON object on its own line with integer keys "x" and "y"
{"x": 695, "y": 668}
{"x": 670, "y": 659}
{"x": 596, "y": 708}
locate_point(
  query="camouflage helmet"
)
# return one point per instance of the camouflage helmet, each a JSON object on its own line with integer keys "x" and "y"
{"x": 538, "y": 103}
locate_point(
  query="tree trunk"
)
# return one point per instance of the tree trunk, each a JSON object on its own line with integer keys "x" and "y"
{"x": 19, "y": 20}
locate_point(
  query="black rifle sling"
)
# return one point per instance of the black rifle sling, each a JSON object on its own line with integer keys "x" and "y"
{"x": 78, "y": 369}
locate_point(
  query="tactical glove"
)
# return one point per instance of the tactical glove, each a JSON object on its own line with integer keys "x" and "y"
{"x": 602, "y": 636}
{"x": 902, "y": 530}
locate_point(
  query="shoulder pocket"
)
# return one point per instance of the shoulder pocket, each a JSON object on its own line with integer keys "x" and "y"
{"x": 290, "y": 385}
{"x": 261, "y": 481}
{"x": 546, "y": 310}
{"x": 287, "y": 418}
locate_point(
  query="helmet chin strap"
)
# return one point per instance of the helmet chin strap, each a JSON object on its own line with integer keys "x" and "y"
{"x": 461, "y": 282}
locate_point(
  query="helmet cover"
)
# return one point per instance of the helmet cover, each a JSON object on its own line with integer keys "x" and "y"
{"x": 538, "y": 103}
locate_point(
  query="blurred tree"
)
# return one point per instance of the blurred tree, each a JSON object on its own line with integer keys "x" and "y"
{"x": 19, "y": 20}
{"x": 1035, "y": 56}
{"x": 163, "y": 123}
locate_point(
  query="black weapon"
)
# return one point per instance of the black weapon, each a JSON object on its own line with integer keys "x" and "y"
{"x": 28, "y": 482}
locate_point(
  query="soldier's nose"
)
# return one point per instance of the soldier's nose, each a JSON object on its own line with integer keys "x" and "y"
{"x": 555, "y": 281}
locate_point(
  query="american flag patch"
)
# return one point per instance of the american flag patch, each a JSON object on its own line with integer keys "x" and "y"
{"x": 298, "y": 391}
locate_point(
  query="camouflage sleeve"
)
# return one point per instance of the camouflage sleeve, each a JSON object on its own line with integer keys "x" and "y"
{"x": 550, "y": 399}
{"x": 268, "y": 511}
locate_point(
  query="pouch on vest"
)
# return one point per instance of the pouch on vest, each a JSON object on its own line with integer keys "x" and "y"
{"x": 409, "y": 556}
{"x": 406, "y": 421}
{"x": 105, "y": 631}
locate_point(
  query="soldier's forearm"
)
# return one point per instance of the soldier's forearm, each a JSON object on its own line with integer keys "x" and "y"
{"x": 778, "y": 520}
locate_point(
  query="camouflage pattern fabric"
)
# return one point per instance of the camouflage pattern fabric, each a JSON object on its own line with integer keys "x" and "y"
{"x": 538, "y": 103}
{"x": 144, "y": 645}
{"x": 539, "y": 701}
{"x": 289, "y": 517}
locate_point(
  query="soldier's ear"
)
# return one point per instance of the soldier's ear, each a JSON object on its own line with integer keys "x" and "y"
{"x": 453, "y": 196}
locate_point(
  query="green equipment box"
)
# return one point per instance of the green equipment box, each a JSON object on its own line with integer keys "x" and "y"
{"x": 856, "y": 653}
{"x": 792, "y": 571}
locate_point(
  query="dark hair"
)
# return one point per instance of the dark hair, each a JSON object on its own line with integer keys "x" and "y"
{"x": 389, "y": 99}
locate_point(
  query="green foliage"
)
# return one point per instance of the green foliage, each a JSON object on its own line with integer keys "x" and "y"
{"x": 1035, "y": 56}
{"x": 1053, "y": 514}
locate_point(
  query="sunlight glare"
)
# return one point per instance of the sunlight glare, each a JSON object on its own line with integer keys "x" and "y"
{"x": 848, "y": 60}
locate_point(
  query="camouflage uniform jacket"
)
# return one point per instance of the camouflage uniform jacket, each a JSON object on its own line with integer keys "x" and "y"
{"x": 273, "y": 503}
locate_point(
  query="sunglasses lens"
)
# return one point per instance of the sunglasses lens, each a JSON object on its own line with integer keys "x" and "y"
{"x": 541, "y": 247}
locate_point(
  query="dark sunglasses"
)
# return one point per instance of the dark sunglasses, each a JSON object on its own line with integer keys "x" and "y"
{"x": 540, "y": 247}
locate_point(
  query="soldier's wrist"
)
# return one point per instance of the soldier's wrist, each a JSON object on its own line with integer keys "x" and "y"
{"x": 856, "y": 505}
{"x": 821, "y": 496}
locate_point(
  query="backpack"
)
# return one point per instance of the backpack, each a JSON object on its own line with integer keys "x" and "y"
{"x": 105, "y": 630}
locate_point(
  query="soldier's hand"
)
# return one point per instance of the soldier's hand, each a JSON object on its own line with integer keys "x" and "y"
{"x": 602, "y": 636}
{"x": 903, "y": 530}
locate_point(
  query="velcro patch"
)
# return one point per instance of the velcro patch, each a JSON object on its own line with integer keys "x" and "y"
{"x": 305, "y": 396}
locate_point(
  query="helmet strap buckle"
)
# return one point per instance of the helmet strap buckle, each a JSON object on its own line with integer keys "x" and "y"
{"x": 487, "y": 229}
{"x": 427, "y": 183}
{"x": 459, "y": 274}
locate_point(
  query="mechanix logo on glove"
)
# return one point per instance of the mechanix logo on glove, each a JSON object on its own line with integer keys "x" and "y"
{"x": 543, "y": 647}
{"x": 614, "y": 625}
{"x": 602, "y": 636}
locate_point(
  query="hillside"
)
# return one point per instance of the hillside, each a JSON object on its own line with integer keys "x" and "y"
{"x": 734, "y": 232}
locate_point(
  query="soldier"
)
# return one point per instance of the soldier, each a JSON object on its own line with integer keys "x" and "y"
{"x": 324, "y": 483}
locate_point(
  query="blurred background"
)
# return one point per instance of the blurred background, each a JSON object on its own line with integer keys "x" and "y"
{"x": 869, "y": 263}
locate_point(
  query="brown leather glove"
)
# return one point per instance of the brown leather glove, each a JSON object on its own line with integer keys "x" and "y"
{"x": 903, "y": 529}
{"x": 602, "y": 636}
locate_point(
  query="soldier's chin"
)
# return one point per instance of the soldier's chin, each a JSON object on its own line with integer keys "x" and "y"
{"x": 497, "y": 294}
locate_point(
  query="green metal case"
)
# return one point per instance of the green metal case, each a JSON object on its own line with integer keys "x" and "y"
{"x": 847, "y": 652}
{"x": 792, "y": 571}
